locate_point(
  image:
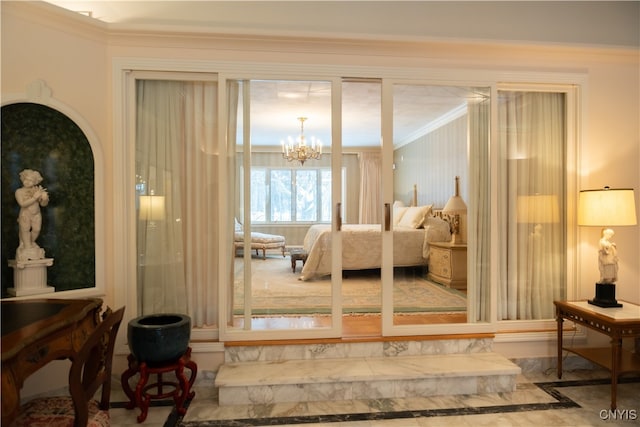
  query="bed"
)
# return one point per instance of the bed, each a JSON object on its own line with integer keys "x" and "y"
{"x": 362, "y": 243}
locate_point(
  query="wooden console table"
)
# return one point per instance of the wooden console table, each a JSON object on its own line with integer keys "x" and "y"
{"x": 617, "y": 323}
{"x": 35, "y": 332}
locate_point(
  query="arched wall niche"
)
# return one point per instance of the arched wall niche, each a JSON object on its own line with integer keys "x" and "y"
{"x": 42, "y": 133}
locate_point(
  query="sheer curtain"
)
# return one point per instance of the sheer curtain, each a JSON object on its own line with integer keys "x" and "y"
{"x": 370, "y": 182}
{"x": 176, "y": 159}
{"x": 200, "y": 189}
{"x": 532, "y": 140}
{"x": 233, "y": 195}
{"x": 479, "y": 208}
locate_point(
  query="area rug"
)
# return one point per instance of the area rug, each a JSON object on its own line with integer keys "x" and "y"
{"x": 277, "y": 290}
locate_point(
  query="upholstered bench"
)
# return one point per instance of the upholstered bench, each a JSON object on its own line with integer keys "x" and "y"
{"x": 297, "y": 254}
{"x": 261, "y": 241}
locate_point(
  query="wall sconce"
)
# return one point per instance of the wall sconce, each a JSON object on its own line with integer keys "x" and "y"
{"x": 605, "y": 208}
{"x": 456, "y": 207}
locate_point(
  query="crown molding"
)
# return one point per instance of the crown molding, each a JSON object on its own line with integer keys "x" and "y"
{"x": 384, "y": 46}
{"x": 50, "y": 16}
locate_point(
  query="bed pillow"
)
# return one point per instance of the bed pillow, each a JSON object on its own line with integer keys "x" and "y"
{"x": 398, "y": 213}
{"x": 414, "y": 216}
{"x": 437, "y": 230}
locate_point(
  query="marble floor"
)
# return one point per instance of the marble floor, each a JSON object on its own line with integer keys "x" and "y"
{"x": 581, "y": 398}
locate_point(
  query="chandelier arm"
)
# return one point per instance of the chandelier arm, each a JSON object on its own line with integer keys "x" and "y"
{"x": 302, "y": 152}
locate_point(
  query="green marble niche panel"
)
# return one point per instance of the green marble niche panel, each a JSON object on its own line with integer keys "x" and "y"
{"x": 38, "y": 137}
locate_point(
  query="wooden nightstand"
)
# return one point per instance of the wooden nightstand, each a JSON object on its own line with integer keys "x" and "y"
{"x": 448, "y": 264}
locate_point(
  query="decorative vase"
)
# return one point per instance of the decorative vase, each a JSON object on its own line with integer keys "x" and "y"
{"x": 159, "y": 339}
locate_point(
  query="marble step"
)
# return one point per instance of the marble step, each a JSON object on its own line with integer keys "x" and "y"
{"x": 344, "y": 350}
{"x": 267, "y": 382}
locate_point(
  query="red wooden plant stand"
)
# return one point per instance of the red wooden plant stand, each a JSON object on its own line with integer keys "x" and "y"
{"x": 180, "y": 391}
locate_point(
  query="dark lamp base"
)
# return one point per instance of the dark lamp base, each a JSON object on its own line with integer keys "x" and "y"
{"x": 605, "y": 296}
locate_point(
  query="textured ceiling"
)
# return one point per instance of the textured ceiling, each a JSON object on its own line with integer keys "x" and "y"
{"x": 276, "y": 106}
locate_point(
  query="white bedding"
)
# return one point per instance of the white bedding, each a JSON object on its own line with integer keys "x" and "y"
{"x": 362, "y": 248}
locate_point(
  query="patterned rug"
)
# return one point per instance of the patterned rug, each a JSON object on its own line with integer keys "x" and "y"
{"x": 276, "y": 290}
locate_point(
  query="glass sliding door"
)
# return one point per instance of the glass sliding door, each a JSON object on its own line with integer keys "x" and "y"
{"x": 226, "y": 202}
{"x": 281, "y": 178}
{"x": 423, "y": 187}
{"x": 362, "y": 240}
{"x": 434, "y": 130}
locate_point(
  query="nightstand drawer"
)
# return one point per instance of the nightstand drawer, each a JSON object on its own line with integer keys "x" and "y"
{"x": 441, "y": 262}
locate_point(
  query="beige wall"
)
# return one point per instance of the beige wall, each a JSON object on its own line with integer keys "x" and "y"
{"x": 421, "y": 163}
{"x": 75, "y": 60}
{"x": 73, "y": 63}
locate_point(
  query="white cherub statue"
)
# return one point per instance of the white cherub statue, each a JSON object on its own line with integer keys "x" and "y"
{"x": 30, "y": 197}
{"x": 608, "y": 258}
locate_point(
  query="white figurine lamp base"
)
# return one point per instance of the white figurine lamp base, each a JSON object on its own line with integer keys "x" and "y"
{"x": 30, "y": 277}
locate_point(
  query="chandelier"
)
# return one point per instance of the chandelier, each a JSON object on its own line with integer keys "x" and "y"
{"x": 299, "y": 150}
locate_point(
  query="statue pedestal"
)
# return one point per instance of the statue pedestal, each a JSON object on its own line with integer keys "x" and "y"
{"x": 30, "y": 277}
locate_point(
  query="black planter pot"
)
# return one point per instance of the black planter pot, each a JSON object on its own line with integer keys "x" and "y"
{"x": 159, "y": 339}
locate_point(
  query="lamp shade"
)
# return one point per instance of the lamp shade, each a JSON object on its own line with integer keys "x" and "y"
{"x": 607, "y": 207}
{"x": 152, "y": 208}
{"x": 538, "y": 209}
{"x": 455, "y": 204}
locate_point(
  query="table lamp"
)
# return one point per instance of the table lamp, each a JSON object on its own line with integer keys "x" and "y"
{"x": 152, "y": 209}
{"x": 455, "y": 206}
{"x": 538, "y": 209}
{"x": 605, "y": 208}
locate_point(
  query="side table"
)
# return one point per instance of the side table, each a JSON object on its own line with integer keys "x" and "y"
{"x": 448, "y": 264}
{"x": 180, "y": 391}
{"x": 617, "y": 323}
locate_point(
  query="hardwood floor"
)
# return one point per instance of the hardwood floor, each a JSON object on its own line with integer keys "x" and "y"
{"x": 353, "y": 326}
{"x": 371, "y": 326}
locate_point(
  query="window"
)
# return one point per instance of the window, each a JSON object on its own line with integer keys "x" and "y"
{"x": 290, "y": 195}
{"x": 535, "y": 143}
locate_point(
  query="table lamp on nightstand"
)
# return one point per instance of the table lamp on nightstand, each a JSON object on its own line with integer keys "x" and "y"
{"x": 455, "y": 206}
{"x": 605, "y": 208}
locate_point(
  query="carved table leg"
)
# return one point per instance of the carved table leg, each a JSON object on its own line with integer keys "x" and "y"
{"x": 560, "y": 321}
{"x": 616, "y": 355}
